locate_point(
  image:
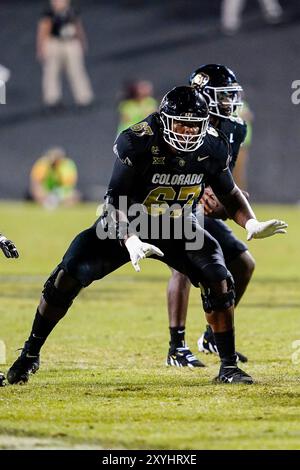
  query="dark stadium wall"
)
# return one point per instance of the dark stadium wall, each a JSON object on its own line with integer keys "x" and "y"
{"x": 162, "y": 41}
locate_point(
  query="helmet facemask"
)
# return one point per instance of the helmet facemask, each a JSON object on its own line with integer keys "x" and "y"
{"x": 184, "y": 142}
{"x": 224, "y": 102}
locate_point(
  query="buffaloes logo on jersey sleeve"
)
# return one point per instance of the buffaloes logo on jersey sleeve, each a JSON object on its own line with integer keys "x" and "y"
{"x": 141, "y": 129}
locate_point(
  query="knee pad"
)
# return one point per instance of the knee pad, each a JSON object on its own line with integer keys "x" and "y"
{"x": 212, "y": 301}
{"x": 60, "y": 298}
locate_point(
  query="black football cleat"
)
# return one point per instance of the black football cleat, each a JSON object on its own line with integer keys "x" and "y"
{"x": 2, "y": 380}
{"x": 234, "y": 375}
{"x": 183, "y": 357}
{"x": 25, "y": 365}
{"x": 206, "y": 343}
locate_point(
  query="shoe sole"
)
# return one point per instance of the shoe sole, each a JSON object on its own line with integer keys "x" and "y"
{"x": 190, "y": 366}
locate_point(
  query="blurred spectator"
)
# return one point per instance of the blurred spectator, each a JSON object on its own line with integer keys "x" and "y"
{"x": 231, "y": 12}
{"x": 240, "y": 169}
{"x": 4, "y": 77}
{"x": 61, "y": 44}
{"x": 4, "y": 74}
{"x": 137, "y": 103}
{"x": 53, "y": 180}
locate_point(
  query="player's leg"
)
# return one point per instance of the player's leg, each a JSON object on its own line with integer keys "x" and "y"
{"x": 86, "y": 260}
{"x": 238, "y": 260}
{"x": 241, "y": 265}
{"x": 59, "y": 292}
{"x": 242, "y": 268}
{"x": 206, "y": 267}
{"x": 178, "y": 296}
{"x": 178, "y": 291}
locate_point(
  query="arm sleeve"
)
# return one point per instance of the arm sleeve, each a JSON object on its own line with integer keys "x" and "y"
{"x": 222, "y": 183}
{"x": 121, "y": 182}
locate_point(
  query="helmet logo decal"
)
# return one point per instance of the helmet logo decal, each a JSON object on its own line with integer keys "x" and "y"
{"x": 201, "y": 79}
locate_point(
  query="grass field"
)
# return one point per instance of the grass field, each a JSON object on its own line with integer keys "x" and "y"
{"x": 103, "y": 382}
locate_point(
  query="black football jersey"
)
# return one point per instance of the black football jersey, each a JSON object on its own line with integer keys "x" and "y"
{"x": 235, "y": 129}
{"x": 148, "y": 172}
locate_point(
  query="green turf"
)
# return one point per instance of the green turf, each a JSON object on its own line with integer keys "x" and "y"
{"x": 103, "y": 381}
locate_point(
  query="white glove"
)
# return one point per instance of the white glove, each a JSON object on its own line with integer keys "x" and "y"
{"x": 266, "y": 229}
{"x": 139, "y": 250}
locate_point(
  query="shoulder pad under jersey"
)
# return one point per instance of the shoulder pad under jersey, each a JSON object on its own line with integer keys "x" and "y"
{"x": 237, "y": 119}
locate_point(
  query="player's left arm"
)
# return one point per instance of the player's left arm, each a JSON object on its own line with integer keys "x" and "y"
{"x": 213, "y": 207}
{"x": 227, "y": 152}
{"x": 239, "y": 209}
{"x": 8, "y": 247}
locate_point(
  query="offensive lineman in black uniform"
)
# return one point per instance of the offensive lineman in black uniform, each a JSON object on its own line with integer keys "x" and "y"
{"x": 163, "y": 160}
{"x": 220, "y": 87}
{"x": 10, "y": 251}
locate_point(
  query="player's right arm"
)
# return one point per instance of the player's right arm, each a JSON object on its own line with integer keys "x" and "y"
{"x": 122, "y": 184}
{"x": 8, "y": 247}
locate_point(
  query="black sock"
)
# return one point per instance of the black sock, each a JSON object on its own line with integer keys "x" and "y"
{"x": 225, "y": 342}
{"x": 41, "y": 329}
{"x": 177, "y": 337}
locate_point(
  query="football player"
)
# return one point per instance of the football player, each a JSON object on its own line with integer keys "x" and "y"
{"x": 222, "y": 91}
{"x": 160, "y": 161}
{"x": 10, "y": 251}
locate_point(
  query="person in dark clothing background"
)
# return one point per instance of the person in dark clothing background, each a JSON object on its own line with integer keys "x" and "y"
{"x": 61, "y": 43}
